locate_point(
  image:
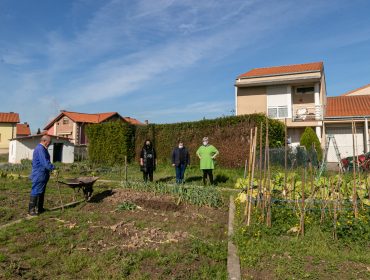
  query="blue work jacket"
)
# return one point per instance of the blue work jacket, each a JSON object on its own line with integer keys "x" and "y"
{"x": 41, "y": 165}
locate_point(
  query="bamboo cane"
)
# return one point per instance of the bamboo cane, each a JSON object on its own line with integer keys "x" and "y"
{"x": 60, "y": 194}
{"x": 286, "y": 159}
{"x": 245, "y": 169}
{"x": 335, "y": 206}
{"x": 260, "y": 170}
{"x": 126, "y": 169}
{"x": 354, "y": 191}
{"x": 263, "y": 204}
{"x": 268, "y": 179}
{"x": 251, "y": 138}
{"x": 303, "y": 202}
{"x": 252, "y": 176}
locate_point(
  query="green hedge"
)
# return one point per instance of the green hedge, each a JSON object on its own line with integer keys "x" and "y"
{"x": 110, "y": 142}
{"x": 230, "y": 135}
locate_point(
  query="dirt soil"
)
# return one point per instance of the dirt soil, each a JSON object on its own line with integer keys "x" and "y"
{"x": 155, "y": 221}
{"x": 140, "y": 240}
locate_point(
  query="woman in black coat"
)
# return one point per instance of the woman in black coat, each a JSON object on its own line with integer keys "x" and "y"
{"x": 148, "y": 160}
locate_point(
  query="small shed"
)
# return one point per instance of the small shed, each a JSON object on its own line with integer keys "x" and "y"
{"x": 60, "y": 149}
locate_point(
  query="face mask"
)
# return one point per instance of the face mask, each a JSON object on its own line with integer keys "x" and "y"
{"x": 181, "y": 146}
{"x": 205, "y": 143}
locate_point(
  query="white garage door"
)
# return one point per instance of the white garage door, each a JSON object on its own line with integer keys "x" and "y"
{"x": 343, "y": 136}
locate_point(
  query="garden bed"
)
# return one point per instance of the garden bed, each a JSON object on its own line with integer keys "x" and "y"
{"x": 120, "y": 234}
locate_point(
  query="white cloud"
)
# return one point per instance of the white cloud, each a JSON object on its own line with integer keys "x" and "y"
{"x": 124, "y": 45}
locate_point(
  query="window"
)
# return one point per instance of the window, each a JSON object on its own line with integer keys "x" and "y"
{"x": 278, "y": 112}
{"x": 272, "y": 112}
{"x": 0, "y": 137}
{"x": 303, "y": 90}
{"x": 65, "y": 120}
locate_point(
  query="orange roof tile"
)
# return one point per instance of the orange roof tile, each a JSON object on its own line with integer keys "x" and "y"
{"x": 9, "y": 117}
{"x": 348, "y": 106}
{"x": 132, "y": 121}
{"x": 23, "y": 129}
{"x": 357, "y": 89}
{"x": 285, "y": 69}
{"x": 90, "y": 118}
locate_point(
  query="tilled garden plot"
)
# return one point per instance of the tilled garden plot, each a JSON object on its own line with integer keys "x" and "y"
{"x": 155, "y": 239}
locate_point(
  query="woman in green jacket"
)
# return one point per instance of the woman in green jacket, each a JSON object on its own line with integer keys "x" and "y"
{"x": 207, "y": 153}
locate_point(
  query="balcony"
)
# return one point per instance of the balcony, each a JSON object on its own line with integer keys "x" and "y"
{"x": 307, "y": 113}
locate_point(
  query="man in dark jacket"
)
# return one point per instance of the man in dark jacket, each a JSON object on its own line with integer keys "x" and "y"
{"x": 41, "y": 168}
{"x": 180, "y": 160}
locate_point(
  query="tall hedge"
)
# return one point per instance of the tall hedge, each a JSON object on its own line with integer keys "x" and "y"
{"x": 310, "y": 140}
{"x": 230, "y": 135}
{"x": 110, "y": 142}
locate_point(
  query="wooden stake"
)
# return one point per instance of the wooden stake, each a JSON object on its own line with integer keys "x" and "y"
{"x": 251, "y": 141}
{"x": 354, "y": 191}
{"x": 126, "y": 169}
{"x": 286, "y": 159}
{"x": 260, "y": 170}
{"x": 245, "y": 169}
{"x": 335, "y": 206}
{"x": 303, "y": 202}
{"x": 268, "y": 197}
{"x": 252, "y": 176}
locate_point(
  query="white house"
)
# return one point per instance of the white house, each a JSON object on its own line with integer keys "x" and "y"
{"x": 60, "y": 149}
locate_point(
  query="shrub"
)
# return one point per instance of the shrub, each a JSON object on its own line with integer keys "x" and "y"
{"x": 110, "y": 142}
{"x": 310, "y": 140}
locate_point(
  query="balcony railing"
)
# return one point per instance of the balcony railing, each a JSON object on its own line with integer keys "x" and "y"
{"x": 307, "y": 113}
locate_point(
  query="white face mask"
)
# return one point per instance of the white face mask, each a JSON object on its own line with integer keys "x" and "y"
{"x": 181, "y": 146}
{"x": 205, "y": 143}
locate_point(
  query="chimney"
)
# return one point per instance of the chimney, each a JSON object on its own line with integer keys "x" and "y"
{"x": 62, "y": 111}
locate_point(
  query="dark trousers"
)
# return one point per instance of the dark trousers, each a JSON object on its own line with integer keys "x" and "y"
{"x": 148, "y": 174}
{"x": 180, "y": 172}
{"x": 207, "y": 172}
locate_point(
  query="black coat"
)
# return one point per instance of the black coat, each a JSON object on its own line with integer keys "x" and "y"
{"x": 176, "y": 156}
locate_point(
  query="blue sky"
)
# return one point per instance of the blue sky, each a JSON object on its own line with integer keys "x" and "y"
{"x": 168, "y": 60}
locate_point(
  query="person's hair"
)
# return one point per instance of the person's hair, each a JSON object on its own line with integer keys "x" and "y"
{"x": 205, "y": 138}
{"x": 180, "y": 141}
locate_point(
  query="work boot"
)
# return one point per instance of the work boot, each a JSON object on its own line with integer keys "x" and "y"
{"x": 40, "y": 203}
{"x": 32, "y": 206}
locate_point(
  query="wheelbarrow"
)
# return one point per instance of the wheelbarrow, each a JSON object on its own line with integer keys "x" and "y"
{"x": 81, "y": 183}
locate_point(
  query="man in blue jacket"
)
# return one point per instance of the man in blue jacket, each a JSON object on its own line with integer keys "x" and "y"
{"x": 41, "y": 168}
{"x": 180, "y": 160}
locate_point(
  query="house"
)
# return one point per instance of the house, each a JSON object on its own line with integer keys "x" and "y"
{"x": 23, "y": 129}
{"x": 8, "y": 129}
{"x": 72, "y": 124}
{"x": 60, "y": 149}
{"x": 295, "y": 94}
{"x": 340, "y": 112}
{"x": 365, "y": 90}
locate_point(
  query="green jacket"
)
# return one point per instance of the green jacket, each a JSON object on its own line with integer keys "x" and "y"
{"x": 206, "y": 154}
